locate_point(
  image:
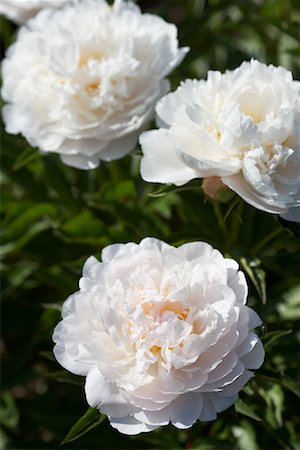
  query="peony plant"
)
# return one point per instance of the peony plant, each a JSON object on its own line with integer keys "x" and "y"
{"x": 162, "y": 334}
{"x": 83, "y": 81}
{"x": 241, "y": 126}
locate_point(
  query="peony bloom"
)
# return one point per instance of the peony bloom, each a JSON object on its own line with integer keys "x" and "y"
{"x": 83, "y": 81}
{"x": 242, "y": 126}
{"x": 162, "y": 334}
{"x": 19, "y": 11}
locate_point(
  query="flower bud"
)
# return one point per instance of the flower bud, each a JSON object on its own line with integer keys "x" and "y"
{"x": 215, "y": 189}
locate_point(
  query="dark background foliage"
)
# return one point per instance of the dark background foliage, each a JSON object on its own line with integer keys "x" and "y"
{"x": 54, "y": 217}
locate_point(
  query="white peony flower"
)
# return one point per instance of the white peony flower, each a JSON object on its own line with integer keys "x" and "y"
{"x": 84, "y": 80}
{"x": 19, "y": 11}
{"x": 161, "y": 333}
{"x": 243, "y": 126}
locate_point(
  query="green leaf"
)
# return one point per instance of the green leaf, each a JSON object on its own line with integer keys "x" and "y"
{"x": 91, "y": 419}
{"x": 242, "y": 408}
{"x": 83, "y": 224}
{"x": 25, "y": 220}
{"x": 65, "y": 377}
{"x": 293, "y": 51}
{"x": 289, "y": 309}
{"x": 9, "y": 414}
{"x": 17, "y": 275}
{"x": 285, "y": 381}
{"x": 245, "y": 436}
{"x": 47, "y": 355}
{"x": 257, "y": 275}
{"x": 171, "y": 189}
{"x": 276, "y": 396}
{"x": 12, "y": 247}
{"x": 289, "y": 384}
{"x": 121, "y": 191}
{"x": 28, "y": 154}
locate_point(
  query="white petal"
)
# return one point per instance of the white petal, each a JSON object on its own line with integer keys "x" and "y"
{"x": 167, "y": 107}
{"x": 237, "y": 384}
{"x": 225, "y": 367}
{"x": 160, "y": 163}
{"x": 238, "y": 184}
{"x": 119, "y": 147}
{"x": 129, "y": 425}
{"x": 161, "y": 417}
{"x": 220, "y": 402}
{"x": 80, "y": 161}
{"x": 208, "y": 412}
{"x": 194, "y": 250}
{"x": 88, "y": 266}
{"x": 254, "y": 319}
{"x": 256, "y": 356}
{"x": 117, "y": 406}
{"x": 206, "y": 168}
{"x": 86, "y": 147}
{"x": 109, "y": 252}
{"x": 185, "y": 410}
{"x": 293, "y": 214}
{"x": 239, "y": 285}
{"x": 69, "y": 363}
{"x": 97, "y": 388}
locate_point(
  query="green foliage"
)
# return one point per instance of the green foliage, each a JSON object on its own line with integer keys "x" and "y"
{"x": 87, "y": 422}
{"x": 54, "y": 217}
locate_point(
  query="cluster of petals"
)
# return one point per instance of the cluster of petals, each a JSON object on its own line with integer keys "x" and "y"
{"x": 242, "y": 126}
{"x": 162, "y": 334}
{"x": 82, "y": 81}
{"x": 19, "y": 11}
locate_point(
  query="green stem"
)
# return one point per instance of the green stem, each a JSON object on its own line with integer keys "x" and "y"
{"x": 220, "y": 218}
{"x": 266, "y": 240}
{"x": 114, "y": 171}
{"x": 236, "y": 222}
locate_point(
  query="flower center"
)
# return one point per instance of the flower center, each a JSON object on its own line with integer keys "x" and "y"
{"x": 89, "y": 55}
{"x": 160, "y": 311}
{"x": 93, "y": 87}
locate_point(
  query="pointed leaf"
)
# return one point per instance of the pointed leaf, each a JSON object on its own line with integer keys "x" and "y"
{"x": 242, "y": 408}
{"x": 91, "y": 419}
{"x": 29, "y": 154}
{"x": 257, "y": 276}
{"x": 285, "y": 381}
{"x": 65, "y": 377}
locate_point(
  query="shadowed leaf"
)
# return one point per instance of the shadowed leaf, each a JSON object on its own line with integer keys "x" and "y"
{"x": 91, "y": 419}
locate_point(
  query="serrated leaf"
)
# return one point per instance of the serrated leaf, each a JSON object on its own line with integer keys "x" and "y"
{"x": 257, "y": 276}
{"x": 242, "y": 408}
{"x": 91, "y": 419}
